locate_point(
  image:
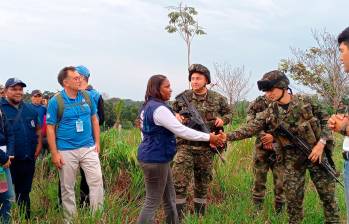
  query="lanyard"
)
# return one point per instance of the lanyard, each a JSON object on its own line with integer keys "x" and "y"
{"x": 76, "y": 107}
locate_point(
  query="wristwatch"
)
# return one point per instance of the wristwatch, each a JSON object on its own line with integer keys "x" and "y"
{"x": 322, "y": 141}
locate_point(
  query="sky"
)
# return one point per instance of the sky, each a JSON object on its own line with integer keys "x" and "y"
{"x": 123, "y": 42}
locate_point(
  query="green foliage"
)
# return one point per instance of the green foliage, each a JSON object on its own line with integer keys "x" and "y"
{"x": 229, "y": 197}
{"x": 182, "y": 20}
{"x": 127, "y": 112}
{"x": 319, "y": 68}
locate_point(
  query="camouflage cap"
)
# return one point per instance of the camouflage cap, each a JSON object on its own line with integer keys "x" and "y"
{"x": 199, "y": 68}
{"x": 273, "y": 79}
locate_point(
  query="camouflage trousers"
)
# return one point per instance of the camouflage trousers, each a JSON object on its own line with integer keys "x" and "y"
{"x": 294, "y": 176}
{"x": 191, "y": 160}
{"x": 263, "y": 161}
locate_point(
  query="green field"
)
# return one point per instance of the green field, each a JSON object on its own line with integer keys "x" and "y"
{"x": 229, "y": 194}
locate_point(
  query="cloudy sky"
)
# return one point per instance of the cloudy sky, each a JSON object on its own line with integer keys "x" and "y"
{"x": 123, "y": 42}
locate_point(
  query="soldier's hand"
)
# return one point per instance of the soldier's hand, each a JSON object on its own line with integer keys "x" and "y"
{"x": 267, "y": 139}
{"x": 222, "y": 137}
{"x": 219, "y": 122}
{"x": 57, "y": 160}
{"x": 316, "y": 153}
{"x": 268, "y": 146}
{"x": 216, "y": 140}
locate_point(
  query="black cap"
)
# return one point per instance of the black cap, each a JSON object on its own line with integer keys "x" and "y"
{"x": 13, "y": 82}
{"x": 36, "y": 92}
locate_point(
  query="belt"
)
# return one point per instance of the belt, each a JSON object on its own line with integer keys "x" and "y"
{"x": 345, "y": 155}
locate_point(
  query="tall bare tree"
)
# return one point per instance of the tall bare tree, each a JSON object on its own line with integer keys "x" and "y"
{"x": 232, "y": 82}
{"x": 182, "y": 20}
{"x": 319, "y": 68}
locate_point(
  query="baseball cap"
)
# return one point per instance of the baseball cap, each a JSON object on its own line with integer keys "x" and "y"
{"x": 13, "y": 82}
{"x": 36, "y": 92}
{"x": 82, "y": 70}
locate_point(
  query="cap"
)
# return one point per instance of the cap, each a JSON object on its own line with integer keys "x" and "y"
{"x": 13, "y": 82}
{"x": 82, "y": 70}
{"x": 36, "y": 92}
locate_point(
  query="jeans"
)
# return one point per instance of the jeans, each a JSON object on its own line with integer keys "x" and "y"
{"x": 346, "y": 184}
{"x": 158, "y": 187}
{"x": 6, "y": 200}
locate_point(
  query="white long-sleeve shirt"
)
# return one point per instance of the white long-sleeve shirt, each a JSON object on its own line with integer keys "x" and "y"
{"x": 164, "y": 117}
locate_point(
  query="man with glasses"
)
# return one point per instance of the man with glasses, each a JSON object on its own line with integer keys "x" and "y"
{"x": 73, "y": 137}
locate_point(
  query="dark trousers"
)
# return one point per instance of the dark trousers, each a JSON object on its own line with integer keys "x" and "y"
{"x": 84, "y": 191}
{"x": 158, "y": 187}
{"x": 22, "y": 172}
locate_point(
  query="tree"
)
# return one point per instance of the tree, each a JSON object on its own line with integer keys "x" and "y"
{"x": 319, "y": 68}
{"x": 118, "y": 109}
{"x": 182, "y": 21}
{"x": 232, "y": 82}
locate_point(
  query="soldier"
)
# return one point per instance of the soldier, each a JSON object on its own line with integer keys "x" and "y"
{"x": 305, "y": 118}
{"x": 265, "y": 157}
{"x": 196, "y": 157}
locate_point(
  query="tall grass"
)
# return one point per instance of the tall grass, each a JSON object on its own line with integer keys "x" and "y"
{"x": 229, "y": 194}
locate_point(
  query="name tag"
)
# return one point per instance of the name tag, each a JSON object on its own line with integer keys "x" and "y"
{"x": 3, "y": 148}
{"x": 79, "y": 126}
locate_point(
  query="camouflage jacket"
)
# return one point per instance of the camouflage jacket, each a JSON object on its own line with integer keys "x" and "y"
{"x": 304, "y": 117}
{"x": 255, "y": 107}
{"x": 210, "y": 106}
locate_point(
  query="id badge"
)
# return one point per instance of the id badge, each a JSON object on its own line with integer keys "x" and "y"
{"x": 32, "y": 122}
{"x": 79, "y": 126}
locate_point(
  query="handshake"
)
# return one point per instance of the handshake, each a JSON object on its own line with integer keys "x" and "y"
{"x": 339, "y": 123}
{"x": 218, "y": 140}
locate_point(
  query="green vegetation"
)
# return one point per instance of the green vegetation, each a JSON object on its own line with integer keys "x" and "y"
{"x": 229, "y": 194}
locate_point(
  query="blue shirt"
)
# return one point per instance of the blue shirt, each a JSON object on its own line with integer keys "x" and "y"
{"x": 94, "y": 95}
{"x": 24, "y": 129}
{"x": 41, "y": 112}
{"x": 75, "y": 110}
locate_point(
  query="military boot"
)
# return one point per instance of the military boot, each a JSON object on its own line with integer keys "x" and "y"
{"x": 199, "y": 208}
{"x": 181, "y": 210}
{"x": 279, "y": 207}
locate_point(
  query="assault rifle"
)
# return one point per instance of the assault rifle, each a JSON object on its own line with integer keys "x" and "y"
{"x": 195, "y": 120}
{"x": 306, "y": 150}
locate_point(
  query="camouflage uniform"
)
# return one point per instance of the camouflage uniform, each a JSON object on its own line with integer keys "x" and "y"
{"x": 197, "y": 157}
{"x": 263, "y": 160}
{"x": 304, "y": 117}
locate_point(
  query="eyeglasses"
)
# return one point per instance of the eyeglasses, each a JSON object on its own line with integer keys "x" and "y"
{"x": 77, "y": 78}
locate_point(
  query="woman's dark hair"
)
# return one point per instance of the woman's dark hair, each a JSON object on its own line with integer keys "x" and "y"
{"x": 344, "y": 37}
{"x": 153, "y": 87}
{"x": 63, "y": 74}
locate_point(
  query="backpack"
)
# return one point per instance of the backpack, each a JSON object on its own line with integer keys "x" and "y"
{"x": 61, "y": 106}
{"x": 100, "y": 110}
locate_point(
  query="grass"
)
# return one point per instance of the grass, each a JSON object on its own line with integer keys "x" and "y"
{"x": 229, "y": 194}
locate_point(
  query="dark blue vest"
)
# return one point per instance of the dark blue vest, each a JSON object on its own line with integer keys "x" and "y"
{"x": 158, "y": 144}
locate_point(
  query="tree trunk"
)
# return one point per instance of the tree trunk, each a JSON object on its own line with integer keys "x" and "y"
{"x": 188, "y": 57}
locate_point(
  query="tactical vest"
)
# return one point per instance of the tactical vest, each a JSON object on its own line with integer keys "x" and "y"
{"x": 298, "y": 118}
